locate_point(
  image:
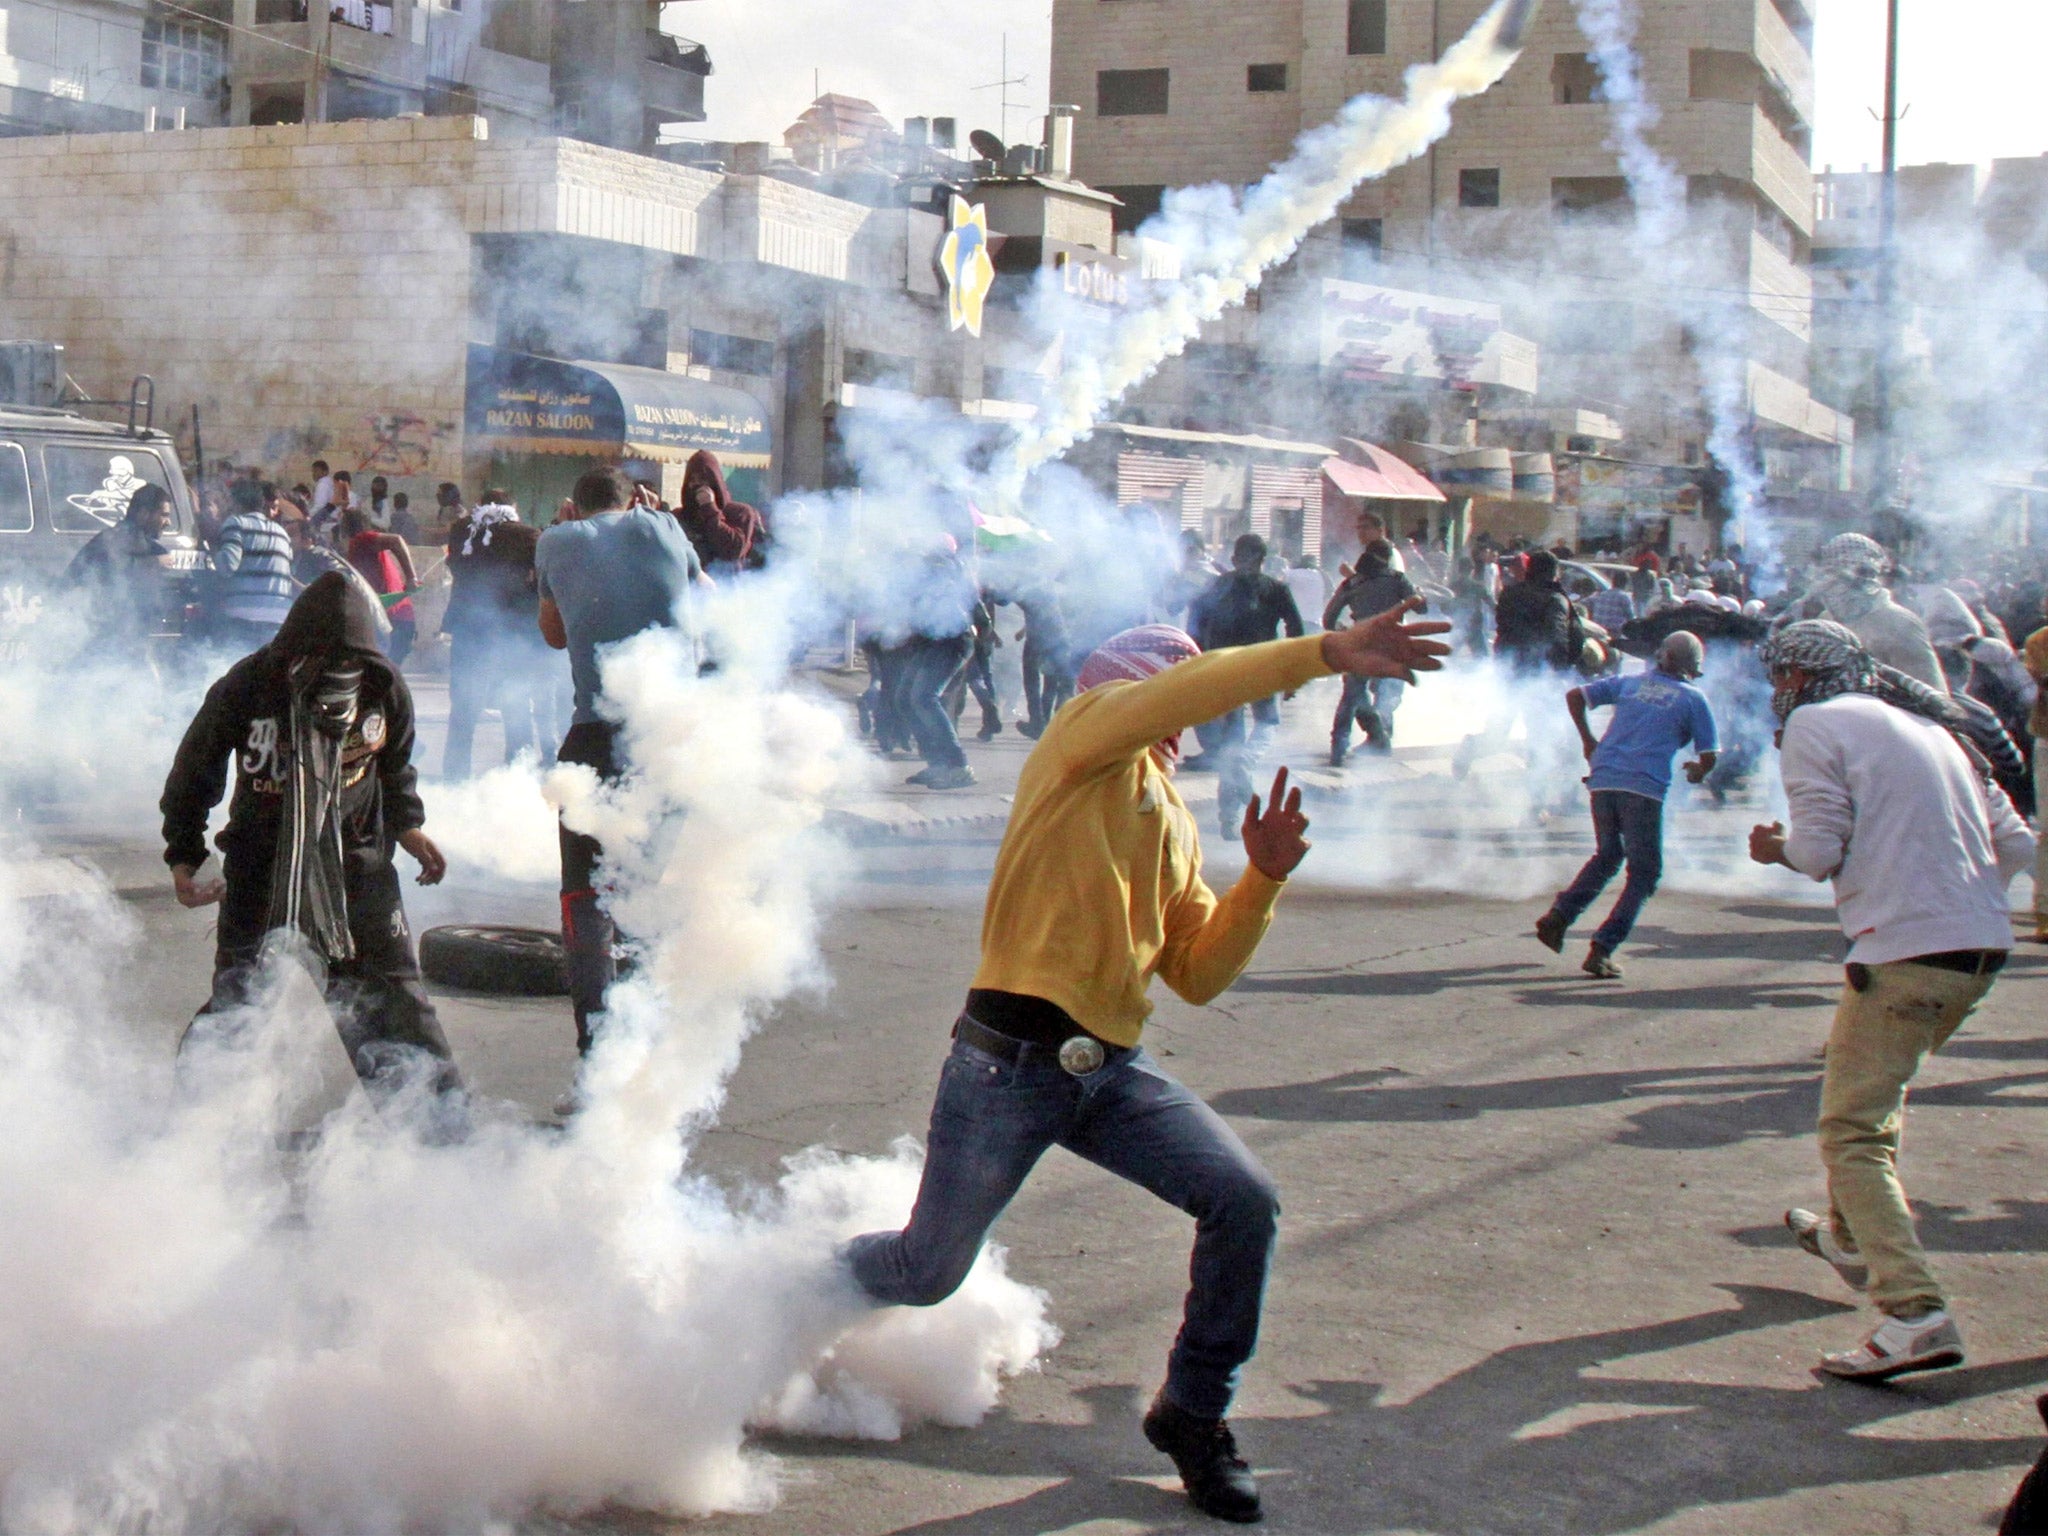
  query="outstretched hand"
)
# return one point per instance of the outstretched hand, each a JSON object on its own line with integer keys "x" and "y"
{"x": 1384, "y": 646}
{"x": 1273, "y": 834}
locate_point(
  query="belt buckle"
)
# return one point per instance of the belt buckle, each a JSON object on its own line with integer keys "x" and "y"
{"x": 1081, "y": 1055}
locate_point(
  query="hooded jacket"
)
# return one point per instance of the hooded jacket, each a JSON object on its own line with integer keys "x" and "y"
{"x": 727, "y": 532}
{"x": 246, "y": 718}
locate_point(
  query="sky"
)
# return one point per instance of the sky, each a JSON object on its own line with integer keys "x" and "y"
{"x": 1969, "y": 74}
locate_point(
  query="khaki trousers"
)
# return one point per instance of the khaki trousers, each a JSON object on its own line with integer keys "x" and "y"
{"x": 1881, "y": 1035}
{"x": 2041, "y": 818}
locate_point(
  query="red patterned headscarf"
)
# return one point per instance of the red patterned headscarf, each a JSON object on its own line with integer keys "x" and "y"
{"x": 1136, "y": 654}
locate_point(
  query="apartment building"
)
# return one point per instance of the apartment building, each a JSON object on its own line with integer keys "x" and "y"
{"x": 602, "y": 71}
{"x": 99, "y": 66}
{"x": 1523, "y": 202}
{"x": 1968, "y": 342}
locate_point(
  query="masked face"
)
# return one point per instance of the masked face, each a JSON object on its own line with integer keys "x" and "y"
{"x": 335, "y": 695}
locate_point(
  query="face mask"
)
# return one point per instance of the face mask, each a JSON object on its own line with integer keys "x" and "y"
{"x": 335, "y": 696}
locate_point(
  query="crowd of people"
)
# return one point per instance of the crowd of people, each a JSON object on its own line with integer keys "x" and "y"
{"x": 1904, "y": 708}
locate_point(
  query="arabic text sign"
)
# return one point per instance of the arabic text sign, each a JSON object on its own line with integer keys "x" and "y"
{"x": 1371, "y": 333}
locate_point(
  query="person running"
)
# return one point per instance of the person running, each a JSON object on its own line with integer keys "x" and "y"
{"x": 1098, "y": 888}
{"x": 604, "y": 575}
{"x": 319, "y": 728}
{"x": 1657, "y": 714}
{"x": 1370, "y": 590}
{"x": 1538, "y": 637}
{"x": 386, "y": 564}
{"x": 1244, "y": 606}
{"x": 1887, "y": 803}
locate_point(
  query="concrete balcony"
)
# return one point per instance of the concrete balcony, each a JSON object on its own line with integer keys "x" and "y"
{"x": 1785, "y": 59}
{"x": 289, "y": 51}
{"x": 1781, "y": 172}
{"x": 1779, "y": 289}
{"x": 671, "y": 94}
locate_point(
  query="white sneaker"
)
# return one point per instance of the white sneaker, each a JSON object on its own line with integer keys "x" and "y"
{"x": 1817, "y": 1236}
{"x": 1897, "y": 1346}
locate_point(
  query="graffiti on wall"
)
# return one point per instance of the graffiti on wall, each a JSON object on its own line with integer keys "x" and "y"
{"x": 402, "y": 442}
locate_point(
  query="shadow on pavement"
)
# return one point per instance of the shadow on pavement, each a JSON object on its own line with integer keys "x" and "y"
{"x": 1566, "y": 989}
{"x": 1706, "y": 1106}
{"x": 1719, "y": 1106}
{"x": 1528, "y": 1439}
{"x": 2019, "y": 1226}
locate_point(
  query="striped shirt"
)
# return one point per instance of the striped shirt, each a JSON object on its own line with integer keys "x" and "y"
{"x": 256, "y": 556}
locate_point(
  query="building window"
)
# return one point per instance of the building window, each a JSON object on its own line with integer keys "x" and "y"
{"x": 1130, "y": 93}
{"x": 1265, "y": 77}
{"x": 1361, "y": 246}
{"x": 735, "y": 354}
{"x": 181, "y": 56}
{"x": 1479, "y": 188}
{"x": 1590, "y": 197}
{"x": 1365, "y": 27}
{"x": 1139, "y": 204}
{"x": 880, "y": 370}
{"x": 1574, "y": 80}
{"x": 1018, "y": 384}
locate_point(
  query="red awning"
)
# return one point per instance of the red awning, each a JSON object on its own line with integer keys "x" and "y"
{"x": 1386, "y": 478}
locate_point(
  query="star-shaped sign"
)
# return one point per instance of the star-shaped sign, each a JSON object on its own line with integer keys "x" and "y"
{"x": 965, "y": 264}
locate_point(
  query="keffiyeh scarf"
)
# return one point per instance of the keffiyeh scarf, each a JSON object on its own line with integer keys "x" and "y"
{"x": 308, "y": 882}
{"x": 482, "y": 521}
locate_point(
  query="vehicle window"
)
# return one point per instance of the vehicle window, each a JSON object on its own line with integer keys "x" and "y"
{"x": 14, "y": 508}
{"x": 90, "y": 483}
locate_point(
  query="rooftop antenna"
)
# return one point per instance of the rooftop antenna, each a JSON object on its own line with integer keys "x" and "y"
{"x": 1004, "y": 85}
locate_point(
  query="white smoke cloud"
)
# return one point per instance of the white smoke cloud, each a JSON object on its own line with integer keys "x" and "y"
{"x": 1226, "y": 244}
{"x": 389, "y": 1333}
{"x": 1662, "y": 234}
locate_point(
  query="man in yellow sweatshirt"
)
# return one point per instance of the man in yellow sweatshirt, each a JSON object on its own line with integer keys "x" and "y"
{"x": 1097, "y": 888}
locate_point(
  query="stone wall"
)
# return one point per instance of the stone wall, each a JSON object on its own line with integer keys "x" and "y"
{"x": 307, "y": 288}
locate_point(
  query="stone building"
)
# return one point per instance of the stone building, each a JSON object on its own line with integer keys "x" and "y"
{"x": 1518, "y": 204}
{"x": 100, "y": 66}
{"x": 608, "y": 73}
{"x": 419, "y": 299}
{"x": 1969, "y": 339}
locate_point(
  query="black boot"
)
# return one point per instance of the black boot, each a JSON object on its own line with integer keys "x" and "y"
{"x": 1205, "y": 1453}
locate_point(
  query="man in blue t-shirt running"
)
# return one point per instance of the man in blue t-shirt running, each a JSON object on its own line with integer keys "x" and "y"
{"x": 1657, "y": 714}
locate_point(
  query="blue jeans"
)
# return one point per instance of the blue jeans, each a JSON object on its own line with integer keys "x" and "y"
{"x": 929, "y": 665}
{"x": 1238, "y": 742}
{"x": 1627, "y": 829}
{"x": 1382, "y": 696}
{"x": 991, "y": 1122}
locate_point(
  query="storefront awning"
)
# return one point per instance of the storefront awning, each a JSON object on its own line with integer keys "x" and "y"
{"x": 1382, "y": 477}
{"x": 518, "y": 403}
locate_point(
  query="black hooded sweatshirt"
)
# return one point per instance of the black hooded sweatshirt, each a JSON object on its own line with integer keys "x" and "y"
{"x": 247, "y": 716}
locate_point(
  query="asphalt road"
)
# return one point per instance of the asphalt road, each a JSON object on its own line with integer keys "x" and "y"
{"x": 1531, "y": 1276}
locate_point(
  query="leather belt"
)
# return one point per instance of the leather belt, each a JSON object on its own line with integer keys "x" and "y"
{"x": 1079, "y": 1055}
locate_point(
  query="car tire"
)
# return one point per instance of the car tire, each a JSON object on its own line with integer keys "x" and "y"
{"x": 511, "y": 962}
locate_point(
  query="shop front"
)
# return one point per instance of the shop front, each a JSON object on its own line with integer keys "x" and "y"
{"x": 533, "y": 424}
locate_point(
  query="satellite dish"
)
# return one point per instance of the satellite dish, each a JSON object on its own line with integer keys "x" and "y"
{"x": 986, "y": 145}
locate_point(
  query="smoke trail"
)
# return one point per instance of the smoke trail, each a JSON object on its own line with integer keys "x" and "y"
{"x": 393, "y": 1335}
{"x": 1226, "y": 245}
{"x": 1659, "y": 194}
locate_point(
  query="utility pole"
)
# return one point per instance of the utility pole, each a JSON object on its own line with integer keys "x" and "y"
{"x": 1884, "y": 482}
